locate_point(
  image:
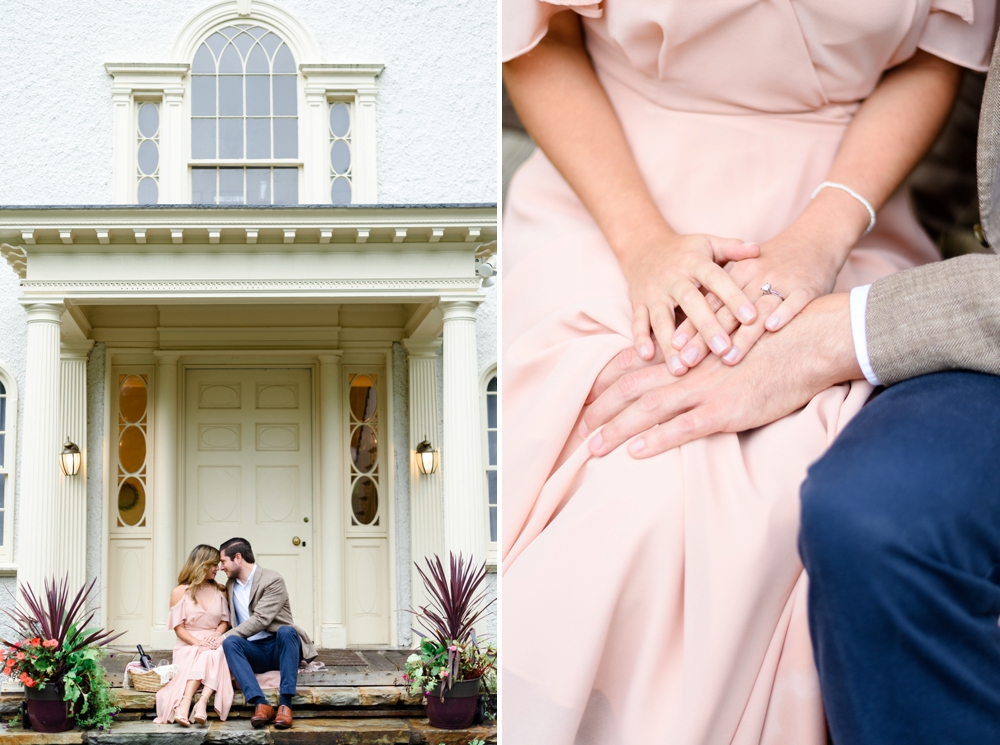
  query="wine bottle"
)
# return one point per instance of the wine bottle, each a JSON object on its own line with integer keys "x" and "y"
{"x": 144, "y": 659}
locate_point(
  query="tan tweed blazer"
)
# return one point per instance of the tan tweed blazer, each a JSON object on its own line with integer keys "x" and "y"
{"x": 946, "y": 316}
{"x": 269, "y": 609}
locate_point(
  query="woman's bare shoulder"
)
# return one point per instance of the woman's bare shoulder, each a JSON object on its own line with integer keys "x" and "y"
{"x": 177, "y": 594}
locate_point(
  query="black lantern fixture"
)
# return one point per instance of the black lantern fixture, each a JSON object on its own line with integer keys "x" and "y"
{"x": 426, "y": 457}
{"x": 70, "y": 459}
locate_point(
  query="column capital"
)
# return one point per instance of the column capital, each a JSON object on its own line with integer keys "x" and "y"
{"x": 462, "y": 307}
{"x": 49, "y": 311}
{"x": 330, "y": 356}
{"x": 75, "y": 349}
{"x": 421, "y": 347}
{"x": 166, "y": 357}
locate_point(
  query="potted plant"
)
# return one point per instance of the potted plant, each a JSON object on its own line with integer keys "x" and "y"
{"x": 450, "y": 664}
{"x": 56, "y": 655}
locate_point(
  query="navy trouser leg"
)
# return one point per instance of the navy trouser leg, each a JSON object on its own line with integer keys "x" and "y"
{"x": 901, "y": 538}
{"x": 287, "y": 651}
{"x": 246, "y": 658}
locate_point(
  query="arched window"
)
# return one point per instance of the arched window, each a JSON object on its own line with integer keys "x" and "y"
{"x": 8, "y": 443}
{"x": 244, "y": 119}
{"x": 490, "y": 443}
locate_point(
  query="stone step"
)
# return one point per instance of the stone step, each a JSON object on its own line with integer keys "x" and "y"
{"x": 315, "y": 731}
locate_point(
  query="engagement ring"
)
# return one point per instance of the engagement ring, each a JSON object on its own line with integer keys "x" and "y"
{"x": 766, "y": 289}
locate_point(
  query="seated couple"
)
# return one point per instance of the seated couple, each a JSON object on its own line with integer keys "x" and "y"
{"x": 262, "y": 640}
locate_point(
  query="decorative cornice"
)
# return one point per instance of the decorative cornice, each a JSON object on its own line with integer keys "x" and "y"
{"x": 78, "y": 288}
{"x": 15, "y": 256}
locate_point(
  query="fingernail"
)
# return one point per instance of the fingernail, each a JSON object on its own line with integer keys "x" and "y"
{"x": 718, "y": 344}
{"x": 596, "y": 443}
{"x": 690, "y": 356}
{"x": 675, "y": 365}
{"x": 643, "y": 351}
{"x": 731, "y": 355}
{"x": 680, "y": 340}
{"x": 637, "y": 445}
{"x": 745, "y": 313}
{"x": 583, "y": 430}
{"x": 772, "y": 323}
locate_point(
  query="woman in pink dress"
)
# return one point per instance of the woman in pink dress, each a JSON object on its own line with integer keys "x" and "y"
{"x": 199, "y": 615}
{"x": 658, "y": 597}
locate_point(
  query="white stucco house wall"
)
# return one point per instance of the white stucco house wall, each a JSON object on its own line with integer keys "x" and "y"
{"x": 243, "y": 253}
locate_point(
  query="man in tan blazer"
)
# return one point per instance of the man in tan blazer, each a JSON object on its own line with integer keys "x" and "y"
{"x": 901, "y": 517}
{"x": 263, "y": 637}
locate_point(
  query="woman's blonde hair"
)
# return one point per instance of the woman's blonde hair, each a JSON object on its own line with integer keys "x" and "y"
{"x": 200, "y": 567}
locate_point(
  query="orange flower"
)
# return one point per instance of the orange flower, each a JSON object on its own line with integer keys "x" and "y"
{"x": 36, "y": 641}
{"x": 51, "y": 644}
{"x": 27, "y": 680}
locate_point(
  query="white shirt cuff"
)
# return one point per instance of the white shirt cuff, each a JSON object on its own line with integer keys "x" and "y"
{"x": 859, "y": 304}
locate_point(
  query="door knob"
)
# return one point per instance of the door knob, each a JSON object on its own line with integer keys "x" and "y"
{"x": 296, "y": 541}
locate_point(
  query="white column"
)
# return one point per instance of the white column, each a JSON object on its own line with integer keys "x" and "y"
{"x": 315, "y": 146}
{"x": 365, "y": 179}
{"x": 72, "y": 540}
{"x": 173, "y": 148}
{"x": 37, "y": 544}
{"x": 165, "y": 566}
{"x": 465, "y": 516}
{"x": 123, "y": 131}
{"x": 333, "y": 629}
{"x": 426, "y": 518}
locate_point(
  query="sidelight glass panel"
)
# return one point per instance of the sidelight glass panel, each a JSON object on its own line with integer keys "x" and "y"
{"x": 364, "y": 500}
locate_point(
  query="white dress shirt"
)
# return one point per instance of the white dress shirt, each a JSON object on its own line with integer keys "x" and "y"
{"x": 241, "y": 604}
{"x": 859, "y": 304}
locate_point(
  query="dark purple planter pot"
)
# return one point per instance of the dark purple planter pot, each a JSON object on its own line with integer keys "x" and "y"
{"x": 47, "y": 712}
{"x": 458, "y": 709}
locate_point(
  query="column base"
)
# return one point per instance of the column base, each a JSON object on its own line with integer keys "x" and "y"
{"x": 333, "y": 636}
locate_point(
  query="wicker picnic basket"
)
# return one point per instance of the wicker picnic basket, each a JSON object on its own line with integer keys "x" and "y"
{"x": 149, "y": 681}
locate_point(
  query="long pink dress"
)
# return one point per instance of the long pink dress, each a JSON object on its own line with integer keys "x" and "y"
{"x": 663, "y": 600}
{"x": 209, "y": 666}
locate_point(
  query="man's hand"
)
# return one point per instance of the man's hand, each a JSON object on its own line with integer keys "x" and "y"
{"x": 781, "y": 374}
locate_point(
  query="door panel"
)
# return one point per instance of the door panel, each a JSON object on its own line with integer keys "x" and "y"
{"x": 248, "y": 446}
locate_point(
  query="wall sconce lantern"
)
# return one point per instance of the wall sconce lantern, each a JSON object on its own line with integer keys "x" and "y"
{"x": 70, "y": 459}
{"x": 426, "y": 458}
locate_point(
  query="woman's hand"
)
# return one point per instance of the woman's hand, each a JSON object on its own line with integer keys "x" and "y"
{"x": 211, "y": 642}
{"x": 801, "y": 268}
{"x": 669, "y": 273}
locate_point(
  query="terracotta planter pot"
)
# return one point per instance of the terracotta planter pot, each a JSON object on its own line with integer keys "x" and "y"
{"x": 47, "y": 712}
{"x": 458, "y": 709}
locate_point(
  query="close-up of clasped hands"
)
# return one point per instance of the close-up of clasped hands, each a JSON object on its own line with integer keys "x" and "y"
{"x": 750, "y": 334}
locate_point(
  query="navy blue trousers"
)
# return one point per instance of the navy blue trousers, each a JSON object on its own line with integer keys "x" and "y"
{"x": 280, "y": 652}
{"x": 901, "y": 538}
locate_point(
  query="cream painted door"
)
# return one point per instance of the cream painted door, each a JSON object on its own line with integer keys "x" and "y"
{"x": 248, "y": 446}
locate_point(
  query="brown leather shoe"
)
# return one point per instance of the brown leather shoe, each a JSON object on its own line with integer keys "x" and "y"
{"x": 263, "y": 715}
{"x": 284, "y": 718}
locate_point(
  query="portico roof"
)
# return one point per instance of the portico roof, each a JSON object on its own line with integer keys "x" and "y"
{"x": 191, "y": 252}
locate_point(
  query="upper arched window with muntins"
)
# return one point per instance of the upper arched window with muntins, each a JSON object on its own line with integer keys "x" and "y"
{"x": 244, "y": 117}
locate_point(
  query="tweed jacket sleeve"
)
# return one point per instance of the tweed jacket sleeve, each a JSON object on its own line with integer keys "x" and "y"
{"x": 271, "y": 597}
{"x": 942, "y": 316}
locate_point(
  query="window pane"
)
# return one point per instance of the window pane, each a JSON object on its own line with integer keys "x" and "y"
{"x": 231, "y": 61}
{"x": 231, "y": 95}
{"x": 216, "y": 41}
{"x": 149, "y": 157}
{"x": 203, "y": 95}
{"x": 492, "y": 384}
{"x": 283, "y": 60}
{"x": 364, "y": 500}
{"x": 132, "y": 449}
{"x": 286, "y": 186}
{"x": 131, "y": 501}
{"x": 230, "y": 186}
{"x": 258, "y": 186}
{"x": 148, "y": 192}
{"x": 257, "y": 62}
{"x": 3, "y": 439}
{"x": 340, "y": 119}
{"x": 340, "y": 156}
{"x": 149, "y": 120}
{"x": 2, "y": 514}
{"x": 203, "y": 186}
{"x": 258, "y": 95}
{"x": 230, "y": 138}
{"x": 340, "y": 191}
{"x": 243, "y": 42}
{"x": 284, "y": 95}
{"x": 3, "y": 416}
{"x": 491, "y": 411}
{"x": 203, "y": 138}
{"x": 270, "y": 42}
{"x": 203, "y": 61}
{"x": 493, "y": 448}
{"x": 286, "y": 138}
{"x": 364, "y": 448}
{"x": 258, "y": 138}
{"x": 3, "y": 501}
